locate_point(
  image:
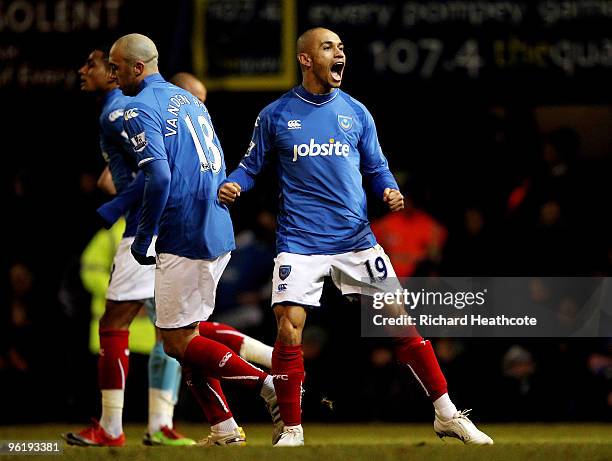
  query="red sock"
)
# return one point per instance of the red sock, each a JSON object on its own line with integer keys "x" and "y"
{"x": 417, "y": 353}
{"x": 223, "y": 334}
{"x": 288, "y": 373}
{"x": 215, "y": 360}
{"x": 208, "y": 393}
{"x": 114, "y": 359}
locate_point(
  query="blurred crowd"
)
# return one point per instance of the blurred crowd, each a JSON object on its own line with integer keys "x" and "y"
{"x": 493, "y": 197}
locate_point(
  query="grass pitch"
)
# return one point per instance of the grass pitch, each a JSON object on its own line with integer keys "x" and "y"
{"x": 326, "y": 442}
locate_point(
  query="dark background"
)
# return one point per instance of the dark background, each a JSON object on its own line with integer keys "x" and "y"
{"x": 497, "y": 124}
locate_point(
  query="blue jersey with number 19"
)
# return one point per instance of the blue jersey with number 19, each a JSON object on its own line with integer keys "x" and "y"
{"x": 323, "y": 147}
{"x": 168, "y": 124}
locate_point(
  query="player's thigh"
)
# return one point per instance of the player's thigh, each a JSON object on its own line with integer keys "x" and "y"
{"x": 364, "y": 272}
{"x": 298, "y": 279}
{"x": 129, "y": 280}
{"x": 185, "y": 289}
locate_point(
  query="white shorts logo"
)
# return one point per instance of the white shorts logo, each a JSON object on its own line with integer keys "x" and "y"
{"x": 224, "y": 360}
{"x": 294, "y": 125}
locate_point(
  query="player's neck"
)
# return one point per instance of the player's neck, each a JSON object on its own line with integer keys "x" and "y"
{"x": 315, "y": 87}
{"x": 104, "y": 94}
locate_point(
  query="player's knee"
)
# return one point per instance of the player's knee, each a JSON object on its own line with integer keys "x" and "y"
{"x": 118, "y": 315}
{"x": 174, "y": 349}
{"x": 111, "y": 321}
{"x": 290, "y": 326}
{"x": 176, "y": 342}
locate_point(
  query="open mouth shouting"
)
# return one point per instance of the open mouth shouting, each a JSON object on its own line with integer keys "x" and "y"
{"x": 337, "y": 69}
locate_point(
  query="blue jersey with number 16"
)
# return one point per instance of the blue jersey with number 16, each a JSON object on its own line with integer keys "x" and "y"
{"x": 168, "y": 124}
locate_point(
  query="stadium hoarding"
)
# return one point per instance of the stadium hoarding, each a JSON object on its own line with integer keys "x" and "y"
{"x": 531, "y": 307}
{"x": 246, "y": 45}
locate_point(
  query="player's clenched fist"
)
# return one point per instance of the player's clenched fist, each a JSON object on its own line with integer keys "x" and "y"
{"x": 229, "y": 192}
{"x": 394, "y": 199}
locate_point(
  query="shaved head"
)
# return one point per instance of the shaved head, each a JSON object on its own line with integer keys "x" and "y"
{"x": 310, "y": 38}
{"x": 190, "y": 83}
{"x": 137, "y": 47}
{"x": 320, "y": 53}
{"x": 132, "y": 58}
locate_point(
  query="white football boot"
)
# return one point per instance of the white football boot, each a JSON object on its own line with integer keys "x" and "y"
{"x": 460, "y": 427}
{"x": 274, "y": 410}
{"x": 291, "y": 436}
{"x": 268, "y": 394}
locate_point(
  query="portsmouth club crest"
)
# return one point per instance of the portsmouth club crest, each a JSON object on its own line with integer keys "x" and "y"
{"x": 284, "y": 271}
{"x": 346, "y": 123}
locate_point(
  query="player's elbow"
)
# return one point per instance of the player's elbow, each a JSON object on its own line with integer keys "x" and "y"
{"x": 159, "y": 175}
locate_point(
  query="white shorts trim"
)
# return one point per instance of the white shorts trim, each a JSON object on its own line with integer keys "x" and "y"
{"x": 129, "y": 280}
{"x": 185, "y": 289}
{"x": 299, "y": 278}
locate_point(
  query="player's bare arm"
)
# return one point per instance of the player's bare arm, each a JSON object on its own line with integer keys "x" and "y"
{"x": 229, "y": 192}
{"x": 105, "y": 182}
{"x": 394, "y": 199}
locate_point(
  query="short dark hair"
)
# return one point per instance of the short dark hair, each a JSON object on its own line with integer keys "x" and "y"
{"x": 104, "y": 48}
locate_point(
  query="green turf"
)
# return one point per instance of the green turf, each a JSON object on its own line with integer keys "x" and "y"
{"x": 412, "y": 442}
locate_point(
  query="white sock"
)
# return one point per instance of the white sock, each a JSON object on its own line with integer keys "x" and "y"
{"x": 161, "y": 409}
{"x": 444, "y": 407}
{"x": 112, "y": 410}
{"x": 256, "y": 352}
{"x": 267, "y": 390}
{"x": 225, "y": 426}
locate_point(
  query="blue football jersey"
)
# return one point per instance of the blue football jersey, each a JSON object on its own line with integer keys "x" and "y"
{"x": 168, "y": 124}
{"x": 117, "y": 151}
{"x": 323, "y": 146}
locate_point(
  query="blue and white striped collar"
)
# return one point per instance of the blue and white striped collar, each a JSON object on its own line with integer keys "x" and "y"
{"x": 316, "y": 99}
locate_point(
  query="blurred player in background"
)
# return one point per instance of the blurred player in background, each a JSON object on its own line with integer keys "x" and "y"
{"x": 172, "y": 135}
{"x": 325, "y": 142}
{"x": 189, "y": 82}
{"x": 131, "y": 280}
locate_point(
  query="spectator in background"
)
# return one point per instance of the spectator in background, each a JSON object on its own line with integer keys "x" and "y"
{"x": 518, "y": 388}
{"x": 411, "y": 237}
{"x": 470, "y": 250}
{"x": 541, "y": 208}
{"x": 21, "y": 365}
